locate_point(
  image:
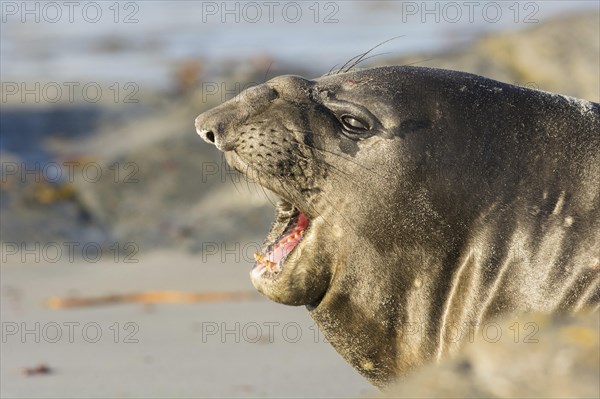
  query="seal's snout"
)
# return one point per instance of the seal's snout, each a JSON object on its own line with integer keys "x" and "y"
{"x": 209, "y": 136}
{"x": 206, "y": 135}
{"x": 219, "y": 125}
{"x": 210, "y": 127}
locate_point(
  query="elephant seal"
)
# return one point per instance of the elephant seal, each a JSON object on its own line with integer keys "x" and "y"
{"x": 418, "y": 203}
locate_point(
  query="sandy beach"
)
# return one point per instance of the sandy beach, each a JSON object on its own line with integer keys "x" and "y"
{"x": 250, "y": 348}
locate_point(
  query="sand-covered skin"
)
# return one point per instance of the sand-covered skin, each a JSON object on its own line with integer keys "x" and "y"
{"x": 530, "y": 356}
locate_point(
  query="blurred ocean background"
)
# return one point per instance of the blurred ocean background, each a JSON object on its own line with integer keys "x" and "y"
{"x": 98, "y": 148}
{"x": 169, "y": 33}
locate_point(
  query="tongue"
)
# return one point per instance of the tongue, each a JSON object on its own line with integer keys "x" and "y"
{"x": 285, "y": 244}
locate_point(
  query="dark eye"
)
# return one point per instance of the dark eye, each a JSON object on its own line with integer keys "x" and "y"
{"x": 354, "y": 124}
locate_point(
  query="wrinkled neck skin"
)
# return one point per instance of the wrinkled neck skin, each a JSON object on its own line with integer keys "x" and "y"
{"x": 470, "y": 199}
{"x": 398, "y": 246}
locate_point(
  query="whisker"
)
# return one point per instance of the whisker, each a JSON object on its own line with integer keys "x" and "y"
{"x": 418, "y": 62}
{"x": 246, "y": 175}
{"x": 338, "y": 155}
{"x": 363, "y": 55}
{"x": 265, "y": 193}
{"x": 349, "y": 61}
{"x": 252, "y": 176}
{"x": 268, "y": 69}
{"x": 229, "y": 171}
{"x": 331, "y": 70}
{"x": 329, "y": 165}
{"x": 375, "y": 55}
{"x": 250, "y": 172}
{"x": 342, "y": 174}
{"x": 304, "y": 203}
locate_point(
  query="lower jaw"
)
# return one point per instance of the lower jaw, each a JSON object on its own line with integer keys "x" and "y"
{"x": 271, "y": 261}
{"x": 302, "y": 279}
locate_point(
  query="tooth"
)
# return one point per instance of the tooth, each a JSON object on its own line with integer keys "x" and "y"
{"x": 259, "y": 257}
{"x": 269, "y": 265}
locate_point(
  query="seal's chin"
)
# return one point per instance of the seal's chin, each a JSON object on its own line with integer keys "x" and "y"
{"x": 288, "y": 269}
{"x": 286, "y": 234}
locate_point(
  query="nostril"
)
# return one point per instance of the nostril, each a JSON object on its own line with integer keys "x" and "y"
{"x": 210, "y": 136}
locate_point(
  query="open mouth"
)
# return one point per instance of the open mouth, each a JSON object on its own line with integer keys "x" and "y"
{"x": 287, "y": 231}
